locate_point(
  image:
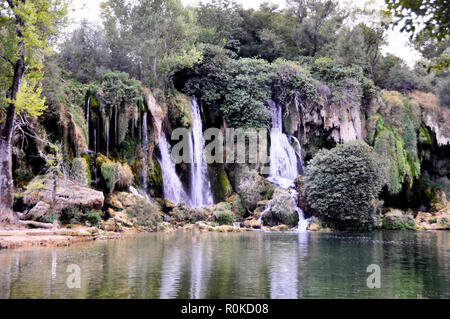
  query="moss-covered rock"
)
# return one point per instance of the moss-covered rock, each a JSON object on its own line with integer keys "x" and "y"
{"x": 116, "y": 175}
{"x": 283, "y": 209}
{"x": 396, "y": 220}
{"x": 220, "y": 184}
{"x": 222, "y": 214}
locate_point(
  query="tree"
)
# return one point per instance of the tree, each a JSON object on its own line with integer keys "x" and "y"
{"x": 317, "y": 23}
{"x": 424, "y": 20}
{"x": 157, "y": 35}
{"x": 85, "y": 53}
{"x": 27, "y": 28}
{"x": 342, "y": 183}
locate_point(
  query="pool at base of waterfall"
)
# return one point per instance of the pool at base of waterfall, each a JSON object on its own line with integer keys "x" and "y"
{"x": 237, "y": 265}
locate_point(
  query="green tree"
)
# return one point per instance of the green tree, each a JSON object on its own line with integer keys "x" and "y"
{"x": 85, "y": 53}
{"x": 28, "y": 29}
{"x": 317, "y": 24}
{"x": 158, "y": 35}
{"x": 342, "y": 183}
{"x": 425, "y": 21}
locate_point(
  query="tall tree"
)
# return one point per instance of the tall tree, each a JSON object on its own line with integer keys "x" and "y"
{"x": 424, "y": 20}
{"x": 158, "y": 35}
{"x": 317, "y": 24}
{"x": 28, "y": 27}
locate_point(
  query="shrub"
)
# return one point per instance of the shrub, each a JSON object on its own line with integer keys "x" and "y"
{"x": 116, "y": 175}
{"x": 93, "y": 217}
{"x": 342, "y": 182}
{"x": 144, "y": 213}
{"x": 223, "y": 214}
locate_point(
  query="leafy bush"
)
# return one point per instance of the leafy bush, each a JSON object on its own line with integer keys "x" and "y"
{"x": 238, "y": 90}
{"x": 144, "y": 213}
{"x": 93, "y": 217}
{"x": 116, "y": 175}
{"x": 223, "y": 214}
{"x": 342, "y": 182}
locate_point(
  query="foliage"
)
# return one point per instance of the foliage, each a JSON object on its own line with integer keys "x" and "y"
{"x": 144, "y": 213}
{"x": 394, "y": 135}
{"x": 223, "y": 214}
{"x": 423, "y": 19}
{"x": 116, "y": 175}
{"x": 85, "y": 53}
{"x": 179, "y": 107}
{"x": 80, "y": 171}
{"x": 155, "y": 35}
{"x": 317, "y": 24}
{"x": 292, "y": 82}
{"x": 93, "y": 217}
{"x": 251, "y": 187}
{"x": 283, "y": 208}
{"x": 342, "y": 182}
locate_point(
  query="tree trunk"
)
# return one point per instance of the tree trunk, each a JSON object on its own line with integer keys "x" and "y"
{"x": 7, "y": 128}
{"x": 6, "y": 180}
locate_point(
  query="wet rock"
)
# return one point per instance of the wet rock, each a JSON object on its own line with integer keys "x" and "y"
{"x": 251, "y": 223}
{"x": 283, "y": 209}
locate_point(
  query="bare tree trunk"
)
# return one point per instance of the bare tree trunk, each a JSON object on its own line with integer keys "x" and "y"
{"x": 6, "y": 180}
{"x": 7, "y": 128}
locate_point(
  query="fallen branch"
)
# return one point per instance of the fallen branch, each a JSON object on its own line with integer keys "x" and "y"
{"x": 37, "y": 224}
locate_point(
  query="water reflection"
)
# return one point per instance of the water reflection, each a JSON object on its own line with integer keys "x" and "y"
{"x": 236, "y": 265}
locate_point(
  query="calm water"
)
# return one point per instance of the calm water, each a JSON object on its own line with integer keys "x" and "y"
{"x": 236, "y": 265}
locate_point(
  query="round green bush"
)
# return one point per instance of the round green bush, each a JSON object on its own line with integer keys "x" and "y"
{"x": 342, "y": 183}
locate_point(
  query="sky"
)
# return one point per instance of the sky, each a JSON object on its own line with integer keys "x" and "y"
{"x": 397, "y": 41}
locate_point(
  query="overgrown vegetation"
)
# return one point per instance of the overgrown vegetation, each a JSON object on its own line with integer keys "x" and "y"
{"x": 342, "y": 183}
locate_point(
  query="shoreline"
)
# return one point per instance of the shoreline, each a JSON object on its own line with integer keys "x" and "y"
{"x": 17, "y": 238}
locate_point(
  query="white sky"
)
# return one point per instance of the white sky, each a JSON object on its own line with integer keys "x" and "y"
{"x": 397, "y": 41}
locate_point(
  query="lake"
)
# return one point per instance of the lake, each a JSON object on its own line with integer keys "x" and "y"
{"x": 235, "y": 265}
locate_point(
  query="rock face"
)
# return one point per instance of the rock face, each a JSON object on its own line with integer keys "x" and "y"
{"x": 156, "y": 112}
{"x": 39, "y": 196}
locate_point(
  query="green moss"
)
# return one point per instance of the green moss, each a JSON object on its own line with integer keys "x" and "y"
{"x": 180, "y": 113}
{"x": 394, "y": 133}
{"x": 223, "y": 214}
{"x": 424, "y": 136}
{"x": 220, "y": 184}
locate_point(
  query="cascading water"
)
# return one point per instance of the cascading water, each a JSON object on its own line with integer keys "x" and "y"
{"x": 283, "y": 159}
{"x": 143, "y": 172}
{"x": 284, "y": 162}
{"x": 173, "y": 188}
{"x": 200, "y": 186}
{"x": 87, "y": 116}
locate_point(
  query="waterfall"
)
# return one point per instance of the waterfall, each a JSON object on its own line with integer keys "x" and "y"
{"x": 200, "y": 186}
{"x": 283, "y": 159}
{"x": 143, "y": 172}
{"x": 107, "y": 137}
{"x": 87, "y": 118}
{"x": 285, "y": 162}
{"x": 173, "y": 188}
